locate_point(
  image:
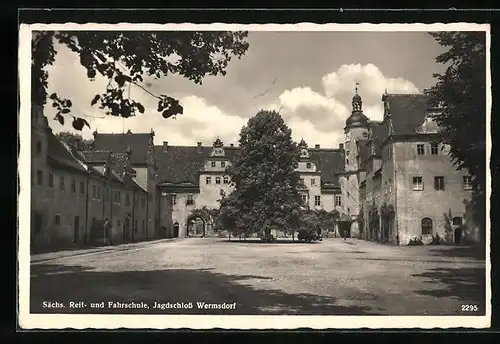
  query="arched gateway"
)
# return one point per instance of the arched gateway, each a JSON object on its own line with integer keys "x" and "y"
{"x": 199, "y": 223}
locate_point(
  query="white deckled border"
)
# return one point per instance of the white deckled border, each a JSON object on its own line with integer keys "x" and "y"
{"x": 62, "y": 321}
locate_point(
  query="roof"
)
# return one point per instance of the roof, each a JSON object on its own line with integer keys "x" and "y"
{"x": 377, "y": 136}
{"x": 181, "y": 164}
{"x": 408, "y": 111}
{"x": 139, "y": 144}
{"x": 63, "y": 154}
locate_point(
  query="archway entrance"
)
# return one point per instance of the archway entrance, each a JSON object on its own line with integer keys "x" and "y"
{"x": 176, "y": 230}
{"x": 196, "y": 226}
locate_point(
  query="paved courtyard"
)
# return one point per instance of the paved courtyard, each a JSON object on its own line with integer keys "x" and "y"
{"x": 333, "y": 277}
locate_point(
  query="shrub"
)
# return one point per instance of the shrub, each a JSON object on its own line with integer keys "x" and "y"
{"x": 436, "y": 240}
{"x": 417, "y": 241}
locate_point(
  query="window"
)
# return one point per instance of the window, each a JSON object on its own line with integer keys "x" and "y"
{"x": 347, "y": 161}
{"x": 94, "y": 191}
{"x": 313, "y": 181}
{"x": 98, "y": 192}
{"x": 213, "y": 163}
{"x": 217, "y": 180}
{"x": 39, "y": 147}
{"x": 226, "y": 179}
{"x": 117, "y": 196}
{"x": 420, "y": 149}
{"x": 457, "y": 221}
{"x": 347, "y": 152}
{"x": 51, "y": 180}
{"x": 118, "y": 223}
{"x": 127, "y": 199}
{"x": 439, "y": 183}
{"x": 57, "y": 219}
{"x": 82, "y": 187}
{"x": 105, "y": 193}
{"x": 434, "y": 148}
{"x": 189, "y": 200}
{"x": 174, "y": 199}
{"x": 302, "y": 180}
{"x": 426, "y": 226}
{"x": 61, "y": 182}
{"x": 304, "y": 199}
{"x": 73, "y": 186}
{"x": 208, "y": 180}
{"x": 308, "y": 165}
{"x": 135, "y": 226}
{"x": 467, "y": 182}
{"x": 143, "y": 226}
{"x": 143, "y": 203}
{"x": 39, "y": 177}
{"x": 418, "y": 183}
{"x": 390, "y": 185}
{"x": 338, "y": 200}
{"x": 385, "y": 188}
{"x": 317, "y": 201}
{"x": 222, "y": 164}
{"x": 349, "y": 211}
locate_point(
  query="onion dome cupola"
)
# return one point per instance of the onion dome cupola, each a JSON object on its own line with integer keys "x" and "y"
{"x": 218, "y": 148}
{"x": 303, "y": 149}
{"x": 357, "y": 118}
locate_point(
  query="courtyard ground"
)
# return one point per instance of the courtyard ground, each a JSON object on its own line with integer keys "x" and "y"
{"x": 332, "y": 277}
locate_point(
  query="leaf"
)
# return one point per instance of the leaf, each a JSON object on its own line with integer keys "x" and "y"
{"x": 91, "y": 73}
{"x": 65, "y": 111}
{"x": 96, "y": 98}
{"x": 53, "y": 96}
{"x": 69, "y": 103}
{"x": 78, "y": 123}
{"x": 120, "y": 80}
{"x": 59, "y": 118}
{"x": 140, "y": 107}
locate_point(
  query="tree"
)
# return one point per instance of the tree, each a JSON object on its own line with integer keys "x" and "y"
{"x": 265, "y": 182}
{"x": 126, "y": 58}
{"x": 461, "y": 94}
{"x": 75, "y": 139}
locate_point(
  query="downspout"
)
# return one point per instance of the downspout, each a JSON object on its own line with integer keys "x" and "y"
{"x": 133, "y": 214}
{"x": 111, "y": 195}
{"x": 395, "y": 190}
{"x": 147, "y": 214}
{"x": 87, "y": 210}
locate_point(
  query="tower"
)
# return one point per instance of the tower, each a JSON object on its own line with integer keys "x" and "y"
{"x": 356, "y": 128}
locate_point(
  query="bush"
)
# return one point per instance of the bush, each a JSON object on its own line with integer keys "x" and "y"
{"x": 436, "y": 240}
{"x": 417, "y": 241}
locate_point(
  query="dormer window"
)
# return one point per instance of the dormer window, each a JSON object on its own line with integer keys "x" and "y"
{"x": 308, "y": 165}
{"x": 213, "y": 163}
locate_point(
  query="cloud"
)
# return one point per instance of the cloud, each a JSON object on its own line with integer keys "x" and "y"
{"x": 318, "y": 116}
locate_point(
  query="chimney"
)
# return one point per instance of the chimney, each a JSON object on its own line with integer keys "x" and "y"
{"x": 341, "y": 146}
{"x": 316, "y": 146}
{"x": 231, "y": 145}
{"x": 165, "y": 146}
{"x": 199, "y": 147}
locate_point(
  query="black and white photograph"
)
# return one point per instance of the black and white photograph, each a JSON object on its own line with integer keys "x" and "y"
{"x": 254, "y": 176}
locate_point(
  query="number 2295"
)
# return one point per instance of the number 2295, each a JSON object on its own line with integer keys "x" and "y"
{"x": 469, "y": 308}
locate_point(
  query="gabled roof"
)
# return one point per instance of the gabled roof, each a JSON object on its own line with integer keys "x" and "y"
{"x": 408, "y": 111}
{"x": 62, "y": 154}
{"x": 139, "y": 144}
{"x": 179, "y": 164}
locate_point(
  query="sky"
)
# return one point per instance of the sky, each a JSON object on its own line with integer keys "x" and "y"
{"x": 309, "y": 77}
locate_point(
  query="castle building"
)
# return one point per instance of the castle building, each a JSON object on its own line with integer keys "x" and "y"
{"x": 390, "y": 180}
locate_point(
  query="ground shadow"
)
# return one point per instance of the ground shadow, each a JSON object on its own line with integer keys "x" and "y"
{"x": 65, "y": 284}
{"x": 459, "y": 252}
{"x": 467, "y": 284}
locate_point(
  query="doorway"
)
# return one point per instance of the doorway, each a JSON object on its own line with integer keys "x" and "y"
{"x": 76, "y": 229}
{"x": 176, "y": 230}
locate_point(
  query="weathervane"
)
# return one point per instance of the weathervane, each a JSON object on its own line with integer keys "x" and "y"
{"x": 357, "y": 84}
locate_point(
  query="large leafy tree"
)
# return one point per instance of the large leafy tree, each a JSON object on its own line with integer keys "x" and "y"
{"x": 127, "y": 58}
{"x": 461, "y": 93}
{"x": 75, "y": 139}
{"x": 265, "y": 182}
